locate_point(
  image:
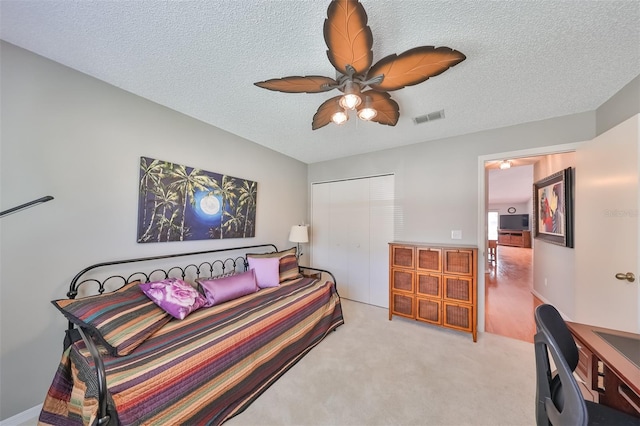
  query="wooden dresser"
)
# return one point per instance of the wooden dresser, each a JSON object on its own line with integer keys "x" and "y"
{"x": 434, "y": 283}
{"x": 514, "y": 238}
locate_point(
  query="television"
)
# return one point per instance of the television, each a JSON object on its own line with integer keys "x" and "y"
{"x": 514, "y": 222}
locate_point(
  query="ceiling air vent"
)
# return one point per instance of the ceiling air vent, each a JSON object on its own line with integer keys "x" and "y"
{"x": 428, "y": 117}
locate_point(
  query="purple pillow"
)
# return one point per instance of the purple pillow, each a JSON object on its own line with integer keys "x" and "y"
{"x": 219, "y": 290}
{"x": 267, "y": 270}
{"x": 175, "y": 296}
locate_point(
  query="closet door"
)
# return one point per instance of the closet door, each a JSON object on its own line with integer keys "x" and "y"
{"x": 356, "y": 194}
{"x": 381, "y": 215}
{"x": 351, "y": 226}
{"x": 339, "y": 234}
{"x": 319, "y": 232}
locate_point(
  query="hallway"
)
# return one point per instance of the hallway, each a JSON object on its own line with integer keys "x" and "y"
{"x": 509, "y": 303}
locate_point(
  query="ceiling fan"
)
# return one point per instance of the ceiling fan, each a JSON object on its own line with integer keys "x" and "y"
{"x": 349, "y": 42}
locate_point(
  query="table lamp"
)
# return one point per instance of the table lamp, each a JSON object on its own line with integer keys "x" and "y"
{"x": 299, "y": 234}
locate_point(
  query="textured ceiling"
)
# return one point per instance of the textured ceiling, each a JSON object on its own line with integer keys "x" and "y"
{"x": 526, "y": 61}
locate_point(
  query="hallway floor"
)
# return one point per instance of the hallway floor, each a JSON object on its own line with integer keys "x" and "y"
{"x": 509, "y": 303}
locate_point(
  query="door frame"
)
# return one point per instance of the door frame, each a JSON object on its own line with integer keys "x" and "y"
{"x": 483, "y": 194}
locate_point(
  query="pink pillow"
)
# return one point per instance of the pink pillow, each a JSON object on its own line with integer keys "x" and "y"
{"x": 175, "y": 296}
{"x": 218, "y": 290}
{"x": 267, "y": 271}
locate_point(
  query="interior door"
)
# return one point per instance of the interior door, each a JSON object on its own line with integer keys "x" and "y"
{"x": 606, "y": 228}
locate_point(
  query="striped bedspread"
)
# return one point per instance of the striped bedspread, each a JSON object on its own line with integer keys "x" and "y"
{"x": 204, "y": 369}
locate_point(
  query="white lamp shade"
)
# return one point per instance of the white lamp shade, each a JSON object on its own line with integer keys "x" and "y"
{"x": 299, "y": 234}
{"x": 340, "y": 117}
{"x": 367, "y": 114}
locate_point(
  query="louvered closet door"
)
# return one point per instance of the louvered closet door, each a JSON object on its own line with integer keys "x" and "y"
{"x": 356, "y": 193}
{"x": 352, "y": 223}
{"x": 381, "y": 215}
{"x": 339, "y": 218}
{"x": 319, "y": 232}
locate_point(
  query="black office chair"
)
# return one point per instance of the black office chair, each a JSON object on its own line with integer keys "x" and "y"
{"x": 558, "y": 397}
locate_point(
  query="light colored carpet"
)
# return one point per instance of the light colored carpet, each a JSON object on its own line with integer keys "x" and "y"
{"x": 372, "y": 371}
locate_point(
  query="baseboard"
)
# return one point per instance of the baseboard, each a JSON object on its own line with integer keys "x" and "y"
{"x": 544, "y": 300}
{"x": 28, "y": 415}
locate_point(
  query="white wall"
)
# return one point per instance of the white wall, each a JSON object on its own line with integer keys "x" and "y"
{"x": 436, "y": 182}
{"x": 80, "y": 140}
{"x": 554, "y": 265}
{"x": 521, "y": 208}
{"x": 621, "y": 106}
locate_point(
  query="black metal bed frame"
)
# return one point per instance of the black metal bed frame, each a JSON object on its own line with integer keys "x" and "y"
{"x": 238, "y": 264}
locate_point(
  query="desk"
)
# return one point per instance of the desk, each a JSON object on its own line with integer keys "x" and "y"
{"x": 613, "y": 378}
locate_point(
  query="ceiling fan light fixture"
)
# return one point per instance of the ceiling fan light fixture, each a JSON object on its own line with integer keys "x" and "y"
{"x": 351, "y": 98}
{"x": 367, "y": 113}
{"x": 505, "y": 164}
{"x": 349, "y": 43}
{"x": 340, "y": 117}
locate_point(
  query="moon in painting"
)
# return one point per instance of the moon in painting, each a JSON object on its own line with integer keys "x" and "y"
{"x": 210, "y": 205}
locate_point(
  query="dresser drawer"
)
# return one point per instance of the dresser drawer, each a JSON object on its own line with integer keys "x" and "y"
{"x": 403, "y": 304}
{"x": 429, "y": 285}
{"x": 403, "y": 280}
{"x": 459, "y": 262}
{"x": 458, "y": 316}
{"x": 458, "y": 289}
{"x": 429, "y": 259}
{"x": 429, "y": 310}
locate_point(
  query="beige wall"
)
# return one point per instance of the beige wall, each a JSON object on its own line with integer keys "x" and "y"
{"x": 80, "y": 140}
{"x": 437, "y": 182}
{"x": 621, "y": 106}
{"x": 554, "y": 265}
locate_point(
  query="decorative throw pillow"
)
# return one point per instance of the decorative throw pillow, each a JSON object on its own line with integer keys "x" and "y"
{"x": 120, "y": 320}
{"x": 175, "y": 296}
{"x": 222, "y": 289}
{"x": 288, "y": 268}
{"x": 266, "y": 269}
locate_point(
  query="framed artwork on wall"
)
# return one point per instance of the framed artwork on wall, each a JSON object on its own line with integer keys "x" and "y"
{"x": 180, "y": 203}
{"x": 553, "y": 208}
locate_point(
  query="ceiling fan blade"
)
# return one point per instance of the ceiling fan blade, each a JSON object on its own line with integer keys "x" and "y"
{"x": 296, "y": 84}
{"x": 348, "y": 36}
{"x": 413, "y": 66}
{"x": 322, "y": 117}
{"x": 388, "y": 109}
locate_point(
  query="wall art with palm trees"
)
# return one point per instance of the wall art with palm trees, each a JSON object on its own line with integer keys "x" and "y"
{"x": 180, "y": 203}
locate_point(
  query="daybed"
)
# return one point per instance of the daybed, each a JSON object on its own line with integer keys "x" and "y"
{"x": 129, "y": 359}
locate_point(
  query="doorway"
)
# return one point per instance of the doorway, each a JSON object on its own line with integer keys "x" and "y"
{"x": 509, "y": 300}
{"x": 508, "y": 257}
